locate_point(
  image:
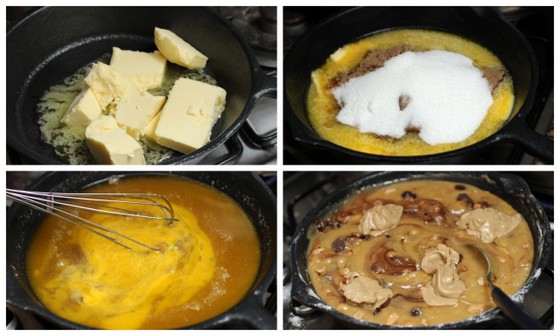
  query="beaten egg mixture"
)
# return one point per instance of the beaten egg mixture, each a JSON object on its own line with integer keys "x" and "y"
{"x": 323, "y": 108}
{"x": 400, "y": 255}
{"x": 207, "y": 261}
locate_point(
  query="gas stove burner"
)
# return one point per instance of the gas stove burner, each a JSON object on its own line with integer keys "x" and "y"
{"x": 258, "y": 26}
{"x": 295, "y": 25}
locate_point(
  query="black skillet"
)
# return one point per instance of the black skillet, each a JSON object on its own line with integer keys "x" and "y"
{"x": 52, "y": 43}
{"x": 484, "y": 26}
{"x": 246, "y": 188}
{"x": 510, "y": 188}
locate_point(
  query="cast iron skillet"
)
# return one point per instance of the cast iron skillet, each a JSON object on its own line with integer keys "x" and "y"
{"x": 510, "y": 188}
{"x": 246, "y": 188}
{"x": 52, "y": 43}
{"x": 484, "y": 26}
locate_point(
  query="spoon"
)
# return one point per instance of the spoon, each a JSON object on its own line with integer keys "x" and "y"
{"x": 511, "y": 309}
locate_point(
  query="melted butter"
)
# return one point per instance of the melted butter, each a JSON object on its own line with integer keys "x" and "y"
{"x": 322, "y": 107}
{"x": 208, "y": 262}
{"x": 69, "y": 142}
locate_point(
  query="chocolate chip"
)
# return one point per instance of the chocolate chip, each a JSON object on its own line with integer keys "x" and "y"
{"x": 338, "y": 245}
{"x": 460, "y": 187}
{"x": 320, "y": 225}
{"x": 387, "y": 234}
{"x": 376, "y": 268}
{"x": 466, "y": 198}
{"x": 323, "y": 225}
{"x": 415, "y": 312}
{"x": 483, "y": 204}
{"x": 408, "y": 194}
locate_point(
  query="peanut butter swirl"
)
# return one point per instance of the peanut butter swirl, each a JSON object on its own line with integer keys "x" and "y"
{"x": 361, "y": 289}
{"x": 380, "y": 218}
{"x": 445, "y": 287}
{"x": 488, "y": 224}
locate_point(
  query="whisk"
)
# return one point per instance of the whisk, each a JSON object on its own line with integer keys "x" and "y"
{"x": 69, "y": 206}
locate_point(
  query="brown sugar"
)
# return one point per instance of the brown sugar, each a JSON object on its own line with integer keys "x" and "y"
{"x": 372, "y": 60}
{"x": 494, "y": 76}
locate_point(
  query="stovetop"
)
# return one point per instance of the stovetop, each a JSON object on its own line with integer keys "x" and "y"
{"x": 303, "y": 190}
{"x": 258, "y": 135}
{"x": 535, "y": 23}
{"x": 255, "y": 143}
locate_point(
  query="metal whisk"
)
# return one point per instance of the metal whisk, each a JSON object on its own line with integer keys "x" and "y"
{"x": 68, "y": 207}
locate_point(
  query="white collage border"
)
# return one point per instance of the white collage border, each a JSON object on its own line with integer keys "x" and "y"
{"x": 279, "y": 168}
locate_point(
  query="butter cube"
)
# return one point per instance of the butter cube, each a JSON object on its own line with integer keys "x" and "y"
{"x": 83, "y": 110}
{"x": 110, "y": 144}
{"x": 177, "y": 51}
{"x": 316, "y": 78}
{"x": 107, "y": 84}
{"x": 145, "y": 70}
{"x": 187, "y": 118}
{"x": 339, "y": 54}
{"x": 135, "y": 109}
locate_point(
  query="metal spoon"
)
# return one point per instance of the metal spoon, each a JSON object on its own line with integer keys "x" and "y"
{"x": 511, "y": 309}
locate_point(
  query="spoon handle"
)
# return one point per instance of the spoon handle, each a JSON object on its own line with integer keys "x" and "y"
{"x": 515, "y": 312}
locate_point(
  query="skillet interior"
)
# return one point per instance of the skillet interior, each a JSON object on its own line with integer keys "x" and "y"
{"x": 484, "y": 26}
{"x": 246, "y": 188}
{"x": 510, "y": 188}
{"x": 52, "y": 43}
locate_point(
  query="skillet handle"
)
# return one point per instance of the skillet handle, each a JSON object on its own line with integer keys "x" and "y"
{"x": 514, "y": 311}
{"x": 252, "y": 314}
{"x": 517, "y": 132}
{"x": 266, "y": 84}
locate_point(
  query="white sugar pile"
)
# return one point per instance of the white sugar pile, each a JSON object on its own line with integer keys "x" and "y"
{"x": 449, "y": 98}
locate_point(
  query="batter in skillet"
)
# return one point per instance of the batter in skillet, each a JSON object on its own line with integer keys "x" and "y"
{"x": 409, "y": 92}
{"x": 399, "y": 255}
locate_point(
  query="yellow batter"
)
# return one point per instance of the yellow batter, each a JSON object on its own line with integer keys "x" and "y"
{"x": 323, "y": 109}
{"x": 90, "y": 288}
